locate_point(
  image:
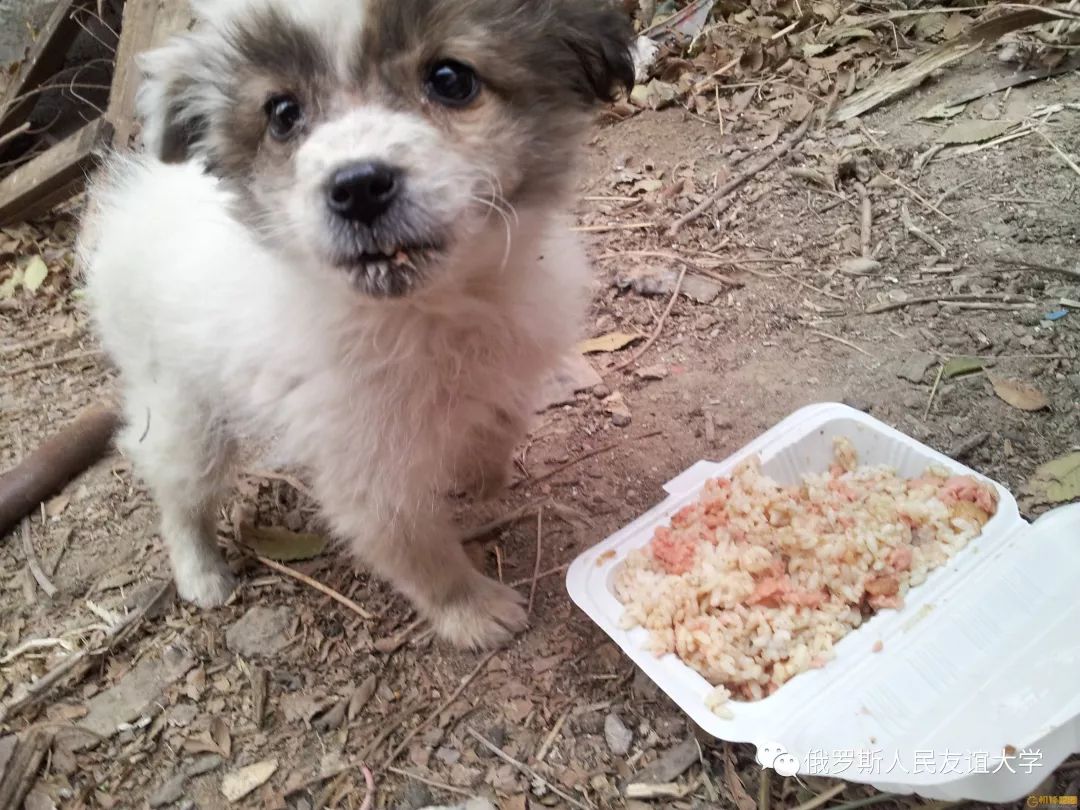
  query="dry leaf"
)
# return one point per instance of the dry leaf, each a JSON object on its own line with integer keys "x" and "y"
{"x": 238, "y": 784}
{"x": 34, "y": 274}
{"x": 1056, "y": 481}
{"x": 1017, "y": 394}
{"x": 974, "y": 131}
{"x": 282, "y": 545}
{"x": 735, "y": 788}
{"x": 610, "y": 342}
{"x": 219, "y": 732}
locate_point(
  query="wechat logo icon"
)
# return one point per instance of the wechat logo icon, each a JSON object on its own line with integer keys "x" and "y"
{"x": 775, "y": 756}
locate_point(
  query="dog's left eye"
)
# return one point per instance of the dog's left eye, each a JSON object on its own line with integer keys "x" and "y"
{"x": 285, "y": 115}
{"x": 452, "y": 83}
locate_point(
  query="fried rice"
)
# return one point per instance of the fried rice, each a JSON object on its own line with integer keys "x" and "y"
{"x": 754, "y": 582}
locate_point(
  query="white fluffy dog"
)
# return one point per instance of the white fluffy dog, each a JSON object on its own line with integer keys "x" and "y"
{"x": 345, "y": 237}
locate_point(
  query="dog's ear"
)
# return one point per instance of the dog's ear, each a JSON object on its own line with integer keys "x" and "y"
{"x": 168, "y": 100}
{"x": 599, "y": 35}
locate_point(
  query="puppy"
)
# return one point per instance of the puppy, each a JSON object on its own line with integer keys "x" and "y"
{"x": 346, "y": 237}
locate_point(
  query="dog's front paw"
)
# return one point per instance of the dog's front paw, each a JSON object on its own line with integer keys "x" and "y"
{"x": 486, "y": 615}
{"x": 206, "y": 587}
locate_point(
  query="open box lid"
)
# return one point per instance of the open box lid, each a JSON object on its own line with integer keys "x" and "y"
{"x": 974, "y": 693}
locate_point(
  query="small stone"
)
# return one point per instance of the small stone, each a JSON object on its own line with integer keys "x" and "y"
{"x": 1027, "y": 341}
{"x": 656, "y": 372}
{"x": 705, "y": 321}
{"x": 615, "y": 406}
{"x": 601, "y": 391}
{"x": 859, "y": 267}
{"x": 617, "y": 735}
{"x": 169, "y": 792}
{"x": 448, "y": 756}
{"x": 621, "y": 419}
{"x": 700, "y": 290}
{"x": 262, "y": 631}
{"x": 915, "y": 366}
{"x": 671, "y": 764}
{"x": 913, "y": 400}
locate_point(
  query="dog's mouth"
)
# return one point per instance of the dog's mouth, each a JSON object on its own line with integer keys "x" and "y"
{"x": 392, "y": 272}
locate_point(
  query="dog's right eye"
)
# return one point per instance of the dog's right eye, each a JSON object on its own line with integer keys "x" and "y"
{"x": 285, "y": 115}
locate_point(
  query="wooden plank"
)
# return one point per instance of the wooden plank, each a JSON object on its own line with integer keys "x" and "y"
{"x": 146, "y": 24}
{"x": 46, "y": 57}
{"x": 53, "y": 176}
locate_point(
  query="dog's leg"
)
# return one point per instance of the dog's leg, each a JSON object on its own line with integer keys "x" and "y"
{"x": 185, "y": 459}
{"x": 489, "y": 454}
{"x": 420, "y": 554}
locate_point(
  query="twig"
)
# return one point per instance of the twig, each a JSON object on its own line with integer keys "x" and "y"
{"x": 764, "y": 798}
{"x": 867, "y": 222}
{"x": 663, "y": 254}
{"x": 285, "y": 478}
{"x": 429, "y": 782}
{"x": 54, "y": 463}
{"x": 510, "y": 518}
{"x": 525, "y": 769}
{"x": 1004, "y": 298}
{"x": 22, "y": 770}
{"x": 536, "y": 562}
{"x": 616, "y": 226}
{"x": 918, "y": 197}
{"x": 740, "y": 179}
{"x": 113, "y": 637}
{"x": 1046, "y": 268}
{"x": 325, "y": 589}
{"x": 919, "y": 233}
{"x": 607, "y": 448}
{"x": 550, "y": 572}
{"x": 468, "y": 679}
{"x": 866, "y": 802}
{"x": 72, "y": 357}
{"x": 933, "y": 391}
{"x": 821, "y": 798}
{"x": 843, "y": 342}
{"x": 656, "y": 332}
{"x": 552, "y": 736}
{"x": 32, "y": 561}
{"x": 968, "y": 445}
{"x": 1068, "y": 160}
{"x": 15, "y": 133}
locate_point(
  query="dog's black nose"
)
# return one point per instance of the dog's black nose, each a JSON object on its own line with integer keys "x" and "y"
{"x": 361, "y": 192}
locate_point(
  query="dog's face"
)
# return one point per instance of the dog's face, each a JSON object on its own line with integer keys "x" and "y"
{"x": 375, "y": 137}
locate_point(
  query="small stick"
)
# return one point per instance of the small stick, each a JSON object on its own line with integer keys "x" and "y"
{"x": 764, "y": 798}
{"x": 22, "y": 770}
{"x": 663, "y": 254}
{"x": 740, "y": 179}
{"x": 509, "y": 519}
{"x": 550, "y": 572}
{"x": 312, "y": 583}
{"x": 429, "y": 782}
{"x": 292, "y": 481}
{"x": 53, "y": 361}
{"x": 656, "y": 332}
{"x": 1068, "y": 160}
{"x": 536, "y": 563}
{"x": 1005, "y": 298}
{"x": 468, "y": 679}
{"x": 32, "y": 561}
{"x": 867, "y": 222}
{"x": 629, "y": 226}
{"x": 1045, "y": 268}
{"x": 917, "y": 232}
{"x": 820, "y": 799}
{"x": 843, "y": 342}
{"x": 967, "y": 446}
{"x": 113, "y": 637}
{"x": 917, "y": 196}
{"x": 525, "y": 769}
{"x": 607, "y": 448}
{"x": 933, "y": 391}
{"x": 553, "y": 735}
{"x": 53, "y": 464}
{"x": 801, "y": 283}
{"x": 15, "y": 133}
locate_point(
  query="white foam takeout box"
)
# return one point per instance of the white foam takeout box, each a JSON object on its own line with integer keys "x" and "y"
{"x": 975, "y": 692}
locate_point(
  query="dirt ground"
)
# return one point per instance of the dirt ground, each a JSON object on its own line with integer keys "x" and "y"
{"x": 316, "y": 688}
